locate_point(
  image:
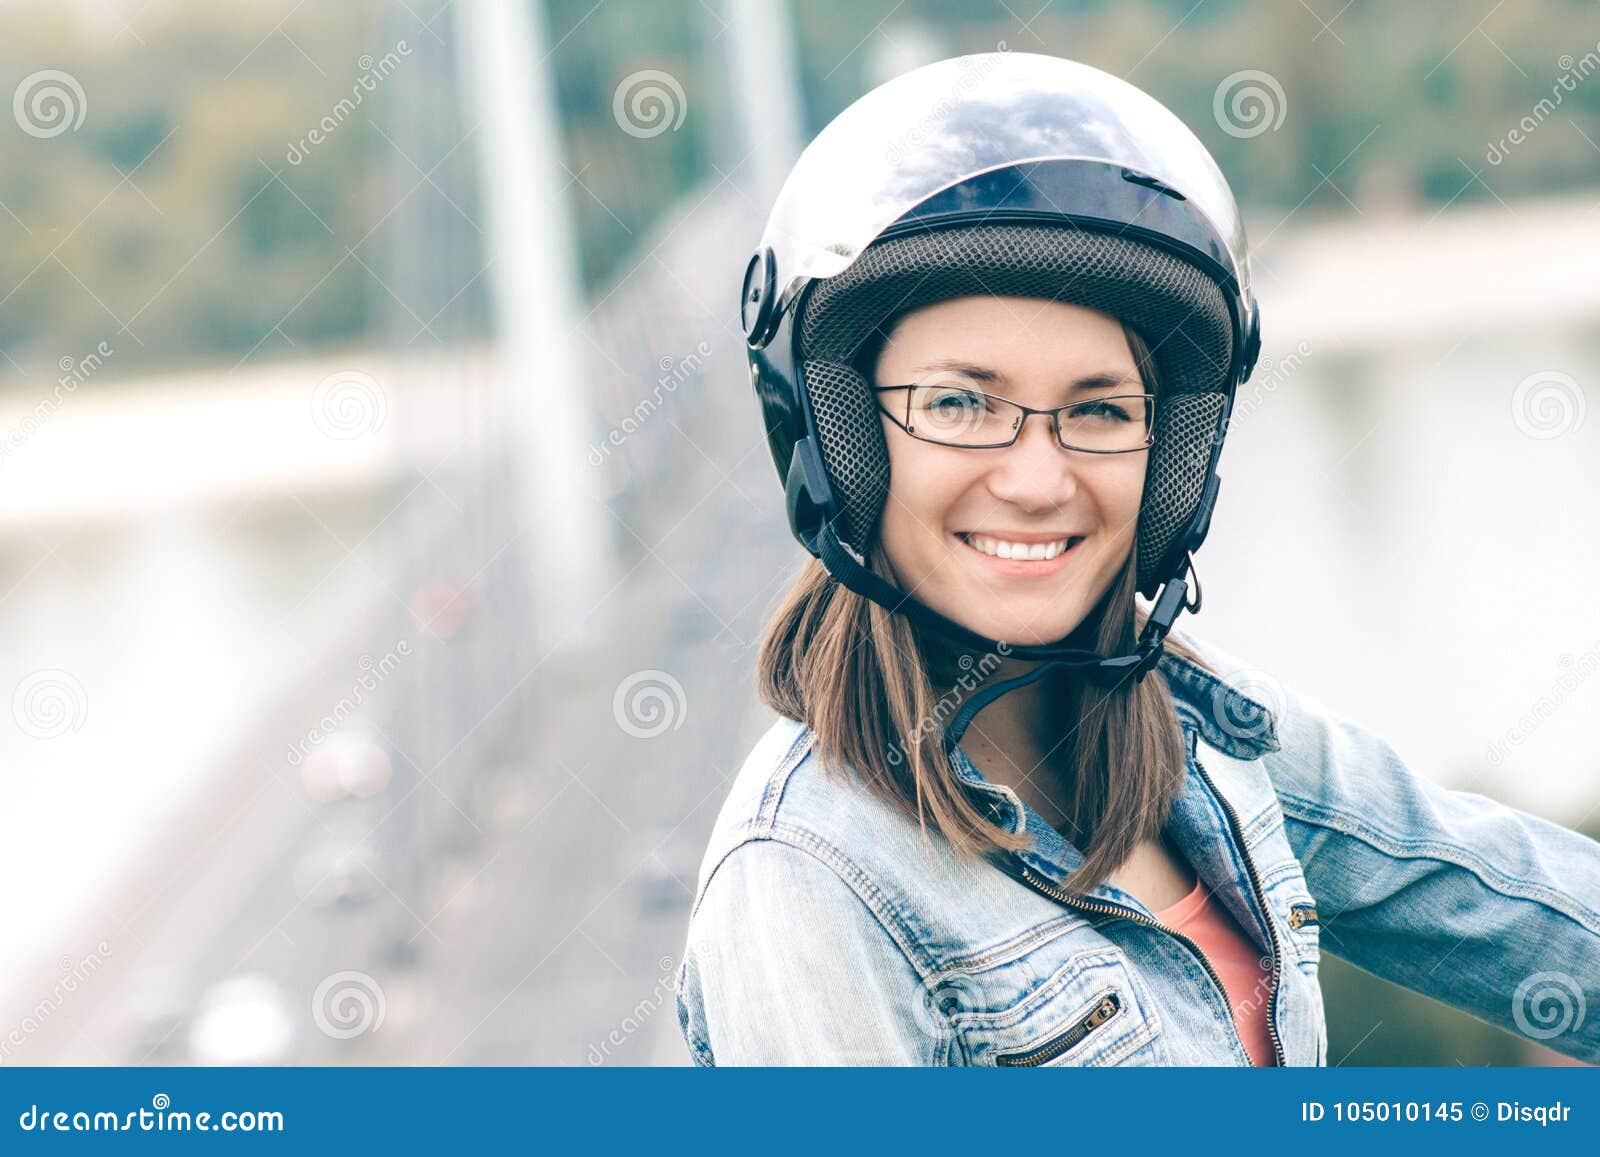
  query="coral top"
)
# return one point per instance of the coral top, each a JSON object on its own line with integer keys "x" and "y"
{"x": 1236, "y": 960}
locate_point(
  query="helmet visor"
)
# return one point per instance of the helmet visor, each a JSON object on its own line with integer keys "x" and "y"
{"x": 942, "y": 124}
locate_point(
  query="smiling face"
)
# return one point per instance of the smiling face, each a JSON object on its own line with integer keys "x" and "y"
{"x": 1017, "y": 543}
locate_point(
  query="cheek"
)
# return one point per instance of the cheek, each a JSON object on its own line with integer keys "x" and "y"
{"x": 923, "y": 483}
{"x": 1123, "y": 494}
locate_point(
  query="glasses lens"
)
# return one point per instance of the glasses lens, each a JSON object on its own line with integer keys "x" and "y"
{"x": 960, "y": 416}
{"x": 1108, "y": 425}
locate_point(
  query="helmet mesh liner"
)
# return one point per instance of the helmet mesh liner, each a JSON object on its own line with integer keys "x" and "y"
{"x": 1186, "y": 424}
{"x": 1179, "y": 311}
{"x": 853, "y": 450}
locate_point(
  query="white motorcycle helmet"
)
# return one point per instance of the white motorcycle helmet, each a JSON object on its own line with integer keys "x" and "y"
{"x": 1000, "y": 173}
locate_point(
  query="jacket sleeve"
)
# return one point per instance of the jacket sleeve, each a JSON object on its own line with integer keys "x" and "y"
{"x": 786, "y": 965}
{"x": 1449, "y": 893}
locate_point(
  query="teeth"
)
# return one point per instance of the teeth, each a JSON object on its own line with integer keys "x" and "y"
{"x": 1033, "y": 552}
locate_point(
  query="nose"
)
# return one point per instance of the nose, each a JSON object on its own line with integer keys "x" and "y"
{"x": 1034, "y": 473}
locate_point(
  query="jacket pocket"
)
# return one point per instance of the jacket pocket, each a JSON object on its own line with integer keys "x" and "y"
{"x": 1294, "y": 912}
{"x": 1102, "y": 1011}
{"x": 1059, "y": 1007}
{"x": 1301, "y": 915}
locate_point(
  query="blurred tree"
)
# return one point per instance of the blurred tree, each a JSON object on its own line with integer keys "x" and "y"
{"x": 189, "y": 219}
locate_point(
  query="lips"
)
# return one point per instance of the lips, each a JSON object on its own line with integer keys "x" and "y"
{"x": 1025, "y": 555}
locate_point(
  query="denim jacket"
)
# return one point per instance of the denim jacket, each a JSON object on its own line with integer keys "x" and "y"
{"x": 827, "y": 929}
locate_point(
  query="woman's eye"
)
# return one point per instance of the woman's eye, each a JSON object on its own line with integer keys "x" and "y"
{"x": 1103, "y": 412}
{"x": 952, "y": 401}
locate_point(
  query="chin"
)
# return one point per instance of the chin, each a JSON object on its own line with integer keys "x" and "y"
{"x": 1037, "y": 638}
{"x": 1025, "y": 634}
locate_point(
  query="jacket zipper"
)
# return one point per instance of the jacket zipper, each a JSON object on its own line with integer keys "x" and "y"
{"x": 1061, "y": 897}
{"x": 1302, "y": 914}
{"x": 1105, "y": 1008}
{"x": 1056, "y": 894}
{"x": 1261, "y": 899}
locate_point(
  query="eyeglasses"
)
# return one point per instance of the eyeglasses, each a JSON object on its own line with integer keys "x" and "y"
{"x": 952, "y": 415}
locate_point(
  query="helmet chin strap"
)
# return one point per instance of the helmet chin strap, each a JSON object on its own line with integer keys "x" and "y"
{"x": 1103, "y": 671}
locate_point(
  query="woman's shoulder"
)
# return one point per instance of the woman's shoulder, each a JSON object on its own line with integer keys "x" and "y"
{"x": 786, "y": 794}
{"x": 802, "y": 835}
{"x": 782, "y": 792}
{"x": 1235, "y": 705}
{"x": 1308, "y": 751}
{"x": 781, "y": 756}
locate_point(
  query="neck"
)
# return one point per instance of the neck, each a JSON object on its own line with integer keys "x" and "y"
{"x": 1023, "y": 739}
{"x": 1028, "y": 719}
{"x": 1019, "y": 740}
{"x": 1029, "y": 711}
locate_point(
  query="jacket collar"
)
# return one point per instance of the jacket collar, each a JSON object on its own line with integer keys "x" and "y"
{"x": 1227, "y": 718}
{"x": 1207, "y": 707}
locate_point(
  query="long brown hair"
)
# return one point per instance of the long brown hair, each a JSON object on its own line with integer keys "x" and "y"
{"x": 876, "y": 693}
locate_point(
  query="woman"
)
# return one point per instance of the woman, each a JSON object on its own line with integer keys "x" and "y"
{"x": 1008, "y": 817}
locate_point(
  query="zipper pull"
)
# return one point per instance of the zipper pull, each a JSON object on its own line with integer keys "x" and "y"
{"x": 1302, "y": 914}
{"x": 1104, "y": 1012}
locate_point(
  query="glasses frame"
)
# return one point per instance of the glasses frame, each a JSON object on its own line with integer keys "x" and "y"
{"x": 1027, "y": 411}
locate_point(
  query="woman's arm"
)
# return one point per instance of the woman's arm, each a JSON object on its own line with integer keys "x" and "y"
{"x": 1449, "y": 893}
{"x": 786, "y": 965}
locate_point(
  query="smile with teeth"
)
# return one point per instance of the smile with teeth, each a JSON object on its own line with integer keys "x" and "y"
{"x": 1019, "y": 551}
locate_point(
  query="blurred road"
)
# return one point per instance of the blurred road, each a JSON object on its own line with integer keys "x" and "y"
{"x": 515, "y": 888}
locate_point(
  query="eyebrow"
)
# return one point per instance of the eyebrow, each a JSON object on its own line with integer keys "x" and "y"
{"x": 991, "y": 377}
